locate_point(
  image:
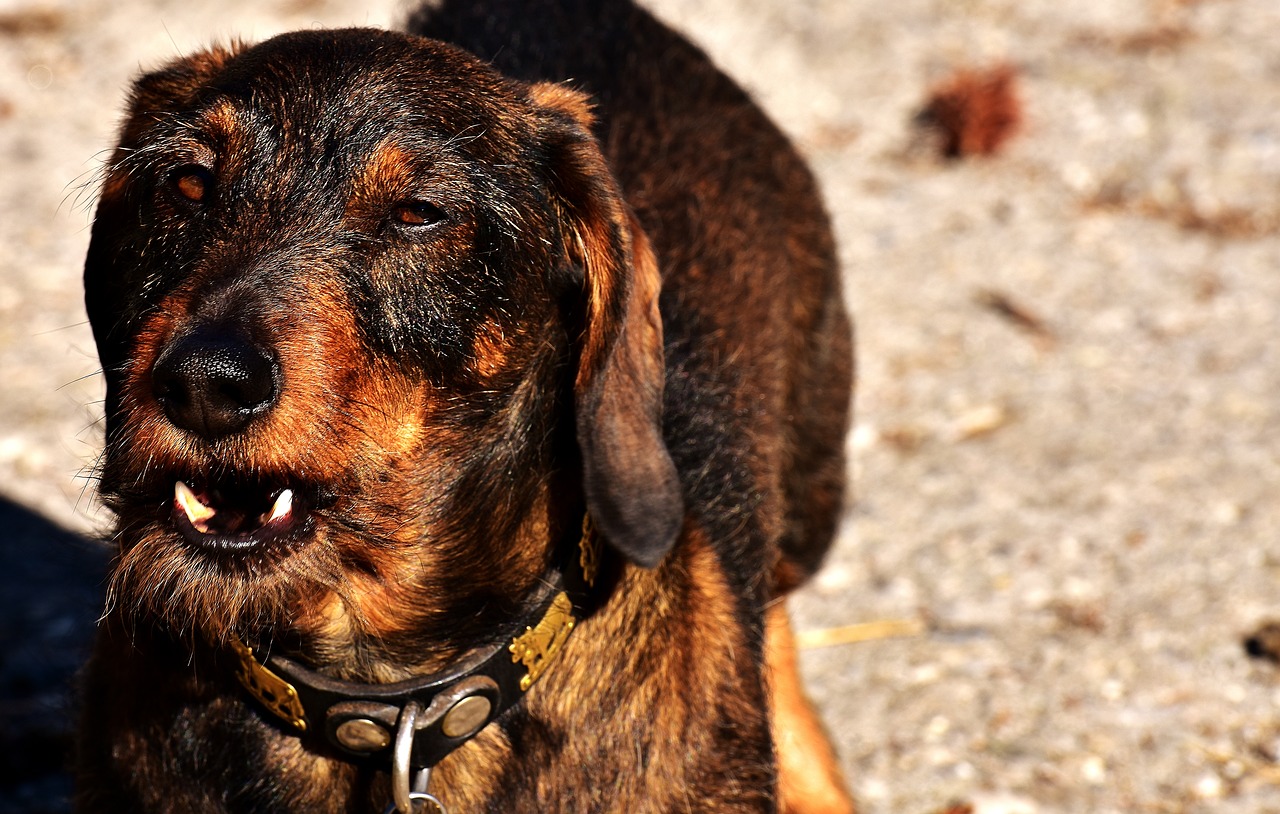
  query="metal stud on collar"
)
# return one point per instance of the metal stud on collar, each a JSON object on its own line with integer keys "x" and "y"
{"x": 409, "y": 798}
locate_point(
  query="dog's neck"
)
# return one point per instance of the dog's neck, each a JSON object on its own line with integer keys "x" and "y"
{"x": 631, "y": 660}
{"x": 437, "y": 712}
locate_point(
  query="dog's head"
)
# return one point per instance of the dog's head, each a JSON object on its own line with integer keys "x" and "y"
{"x": 375, "y": 320}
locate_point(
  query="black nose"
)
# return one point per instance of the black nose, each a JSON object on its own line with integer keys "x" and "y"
{"x": 213, "y": 382}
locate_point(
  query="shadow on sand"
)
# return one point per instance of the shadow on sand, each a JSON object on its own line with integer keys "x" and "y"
{"x": 51, "y": 583}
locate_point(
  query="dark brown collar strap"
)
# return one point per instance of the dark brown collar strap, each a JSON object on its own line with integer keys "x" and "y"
{"x": 361, "y": 721}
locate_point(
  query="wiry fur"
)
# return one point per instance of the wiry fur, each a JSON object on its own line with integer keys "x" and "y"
{"x": 630, "y": 304}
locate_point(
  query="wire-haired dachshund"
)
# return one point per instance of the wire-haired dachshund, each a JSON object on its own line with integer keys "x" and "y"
{"x": 474, "y": 397}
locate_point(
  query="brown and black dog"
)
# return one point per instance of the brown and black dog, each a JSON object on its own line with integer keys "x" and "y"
{"x": 508, "y": 349}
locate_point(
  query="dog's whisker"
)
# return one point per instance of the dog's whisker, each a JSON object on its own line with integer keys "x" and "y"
{"x": 86, "y": 377}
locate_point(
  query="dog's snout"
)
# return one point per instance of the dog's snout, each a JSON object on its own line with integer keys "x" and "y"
{"x": 213, "y": 382}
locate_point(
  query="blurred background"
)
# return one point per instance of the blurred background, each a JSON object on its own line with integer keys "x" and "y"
{"x": 1060, "y": 224}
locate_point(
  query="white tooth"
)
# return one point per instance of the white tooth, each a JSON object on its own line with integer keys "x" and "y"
{"x": 283, "y": 505}
{"x": 196, "y": 511}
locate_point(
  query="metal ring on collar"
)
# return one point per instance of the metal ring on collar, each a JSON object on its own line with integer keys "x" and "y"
{"x": 401, "y": 794}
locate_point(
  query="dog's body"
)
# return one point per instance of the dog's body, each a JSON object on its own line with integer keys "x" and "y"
{"x": 379, "y": 324}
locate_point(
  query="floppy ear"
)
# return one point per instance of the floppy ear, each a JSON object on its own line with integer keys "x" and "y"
{"x": 173, "y": 86}
{"x": 632, "y": 490}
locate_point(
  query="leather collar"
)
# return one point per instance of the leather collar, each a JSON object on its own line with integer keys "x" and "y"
{"x": 360, "y": 721}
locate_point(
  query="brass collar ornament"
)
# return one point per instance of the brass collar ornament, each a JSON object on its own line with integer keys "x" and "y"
{"x": 414, "y": 724}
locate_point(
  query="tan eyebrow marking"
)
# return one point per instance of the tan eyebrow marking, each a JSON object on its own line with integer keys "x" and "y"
{"x": 385, "y": 176}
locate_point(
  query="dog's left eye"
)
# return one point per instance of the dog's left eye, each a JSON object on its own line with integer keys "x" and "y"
{"x": 418, "y": 214}
{"x": 192, "y": 182}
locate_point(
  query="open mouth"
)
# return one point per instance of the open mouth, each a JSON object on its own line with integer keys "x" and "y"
{"x": 225, "y": 519}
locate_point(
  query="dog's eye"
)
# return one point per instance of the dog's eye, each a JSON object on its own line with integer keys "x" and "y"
{"x": 418, "y": 213}
{"x": 192, "y": 182}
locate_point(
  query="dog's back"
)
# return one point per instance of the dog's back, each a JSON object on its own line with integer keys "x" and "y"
{"x": 758, "y": 345}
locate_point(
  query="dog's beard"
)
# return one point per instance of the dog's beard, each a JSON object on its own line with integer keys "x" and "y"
{"x": 156, "y": 579}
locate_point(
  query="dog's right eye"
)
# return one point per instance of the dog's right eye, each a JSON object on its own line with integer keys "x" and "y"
{"x": 418, "y": 214}
{"x": 192, "y": 182}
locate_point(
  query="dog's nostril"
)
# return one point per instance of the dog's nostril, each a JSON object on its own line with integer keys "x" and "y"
{"x": 214, "y": 383}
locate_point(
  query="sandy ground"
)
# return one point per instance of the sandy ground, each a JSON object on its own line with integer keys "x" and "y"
{"x": 1075, "y": 507}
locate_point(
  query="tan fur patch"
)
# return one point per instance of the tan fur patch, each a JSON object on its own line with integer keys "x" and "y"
{"x": 809, "y": 780}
